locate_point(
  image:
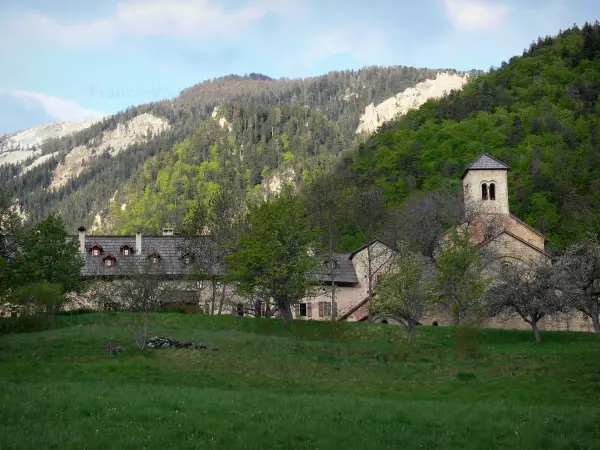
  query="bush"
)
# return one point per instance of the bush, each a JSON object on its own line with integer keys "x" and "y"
{"x": 466, "y": 376}
{"x": 34, "y": 307}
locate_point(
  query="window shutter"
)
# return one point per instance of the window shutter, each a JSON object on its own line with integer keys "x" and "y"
{"x": 321, "y": 307}
{"x": 309, "y": 309}
{"x": 297, "y": 310}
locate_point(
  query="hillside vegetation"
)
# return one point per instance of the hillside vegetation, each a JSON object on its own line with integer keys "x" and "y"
{"x": 539, "y": 113}
{"x": 340, "y": 97}
{"x": 242, "y": 148}
{"x": 309, "y": 385}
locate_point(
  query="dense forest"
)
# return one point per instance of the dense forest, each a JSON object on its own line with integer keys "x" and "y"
{"x": 252, "y": 143}
{"x": 340, "y": 97}
{"x": 539, "y": 113}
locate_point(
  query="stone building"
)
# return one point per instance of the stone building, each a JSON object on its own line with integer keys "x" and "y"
{"x": 508, "y": 240}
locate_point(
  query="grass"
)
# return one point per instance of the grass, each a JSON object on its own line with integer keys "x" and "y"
{"x": 310, "y": 385}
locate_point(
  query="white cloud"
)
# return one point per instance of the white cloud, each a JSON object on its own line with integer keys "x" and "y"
{"x": 470, "y": 15}
{"x": 153, "y": 18}
{"x": 58, "y": 108}
{"x": 350, "y": 41}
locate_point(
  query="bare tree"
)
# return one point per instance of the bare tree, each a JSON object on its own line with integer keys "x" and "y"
{"x": 424, "y": 219}
{"x": 138, "y": 286}
{"x": 209, "y": 236}
{"x": 327, "y": 205}
{"x": 527, "y": 290}
{"x": 403, "y": 293}
{"x": 368, "y": 214}
{"x": 578, "y": 274}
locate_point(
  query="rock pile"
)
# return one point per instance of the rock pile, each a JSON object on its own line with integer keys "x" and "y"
{"x": 163, "y": 342}
{"x": 114, "y": 350}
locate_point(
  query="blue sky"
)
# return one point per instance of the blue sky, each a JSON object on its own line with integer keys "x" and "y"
{"x": 75, "y": 59}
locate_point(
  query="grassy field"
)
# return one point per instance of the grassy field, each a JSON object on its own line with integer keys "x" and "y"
{"x": 260, "y": 385}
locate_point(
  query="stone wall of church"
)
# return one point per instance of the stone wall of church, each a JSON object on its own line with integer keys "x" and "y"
{"x": 472, "y": 183}
{"x": 507, "y": 247}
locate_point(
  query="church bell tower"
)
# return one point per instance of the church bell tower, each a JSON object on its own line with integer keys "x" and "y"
{"x": 485, "y": 185}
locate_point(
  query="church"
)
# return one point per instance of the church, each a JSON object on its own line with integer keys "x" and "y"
{"x": 509, "y": 239}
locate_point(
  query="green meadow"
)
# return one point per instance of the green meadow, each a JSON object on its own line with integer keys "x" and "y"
{"x": 261, "y": 385}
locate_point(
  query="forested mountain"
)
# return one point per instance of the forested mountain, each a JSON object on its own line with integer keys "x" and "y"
{"x": 249, "y": 149}
{"x": 78, "y": 175}
{"x": 539, "y": 113}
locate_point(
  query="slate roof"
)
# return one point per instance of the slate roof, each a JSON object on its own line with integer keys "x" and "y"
{"x": 485, "y": 162}
{"x": 172, "y": 251}
{"x": 170, "y": 248}
{"x": 344, "y": 272}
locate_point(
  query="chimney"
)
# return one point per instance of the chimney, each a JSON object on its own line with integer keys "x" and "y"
{"x": 168, "y": 231}
{"x": 81, "y": 231}
{"x": 138, "y": 243}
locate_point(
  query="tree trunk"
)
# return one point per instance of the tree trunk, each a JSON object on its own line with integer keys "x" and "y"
{"x": 596, "y": 322}
{"x": 286, "y": 312}
{"x": 332, "y": 273}
{"x": 536, "y": 332}
{"x": 222, "y": 300}
{"x": 411, "y": 332}
{"x": 213, "y": 296}
{"x": 370, "y": 281}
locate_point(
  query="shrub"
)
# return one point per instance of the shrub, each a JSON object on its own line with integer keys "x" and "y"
{"x": 33, "y": 308}
{"x": 465, "y": 376}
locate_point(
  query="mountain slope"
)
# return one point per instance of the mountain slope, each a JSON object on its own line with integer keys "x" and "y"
{"x": 538, "y": 113}
{"x": 247, "y": 156}
{"x": 80, "y": 186}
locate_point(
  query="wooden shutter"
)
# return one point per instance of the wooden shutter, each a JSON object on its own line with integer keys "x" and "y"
{"x": 321, "y": 307}
{"x": 297, "y": 310}
{"x": 309, "y": 309}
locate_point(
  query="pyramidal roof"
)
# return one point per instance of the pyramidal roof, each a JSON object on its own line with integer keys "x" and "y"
{"x": 485, "y": 162}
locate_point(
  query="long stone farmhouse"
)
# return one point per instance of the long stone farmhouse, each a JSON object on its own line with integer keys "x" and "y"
{"x": 485, "y": 187}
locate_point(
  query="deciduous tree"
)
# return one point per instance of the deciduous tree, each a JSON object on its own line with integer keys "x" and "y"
{"x": 459, "y": 283}
{"x": 273, "y": 258}
{"x": 49, "y": 254}
{"x": 404, "y": 292}
{"x": 527, "y": 290}
{"x": 578, "y": 272}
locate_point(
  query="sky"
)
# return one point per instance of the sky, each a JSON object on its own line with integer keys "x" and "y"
{"x": 80, "y": 59}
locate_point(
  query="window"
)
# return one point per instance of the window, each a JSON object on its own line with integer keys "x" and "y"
{"x": 155, "y": 260}
{"x": 95, "y": 252}
{"x": 108, "y": 262}
{"x": 302, "y": 309}
{"x": 492, "y": 191}
{"x": 324, "y": 309}
{"x": 126, "y": 251}
{"x": 484, "y": 191}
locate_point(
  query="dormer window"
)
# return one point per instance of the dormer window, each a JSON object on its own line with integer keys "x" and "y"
{"x": 126, "y": 250}
{"x": 187, "y": 258}
{"x": 154, "y": 258}
{"x": 333, "y": 264}
{"x": 109, "y": 260}
{"x": 96, "y": 250}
